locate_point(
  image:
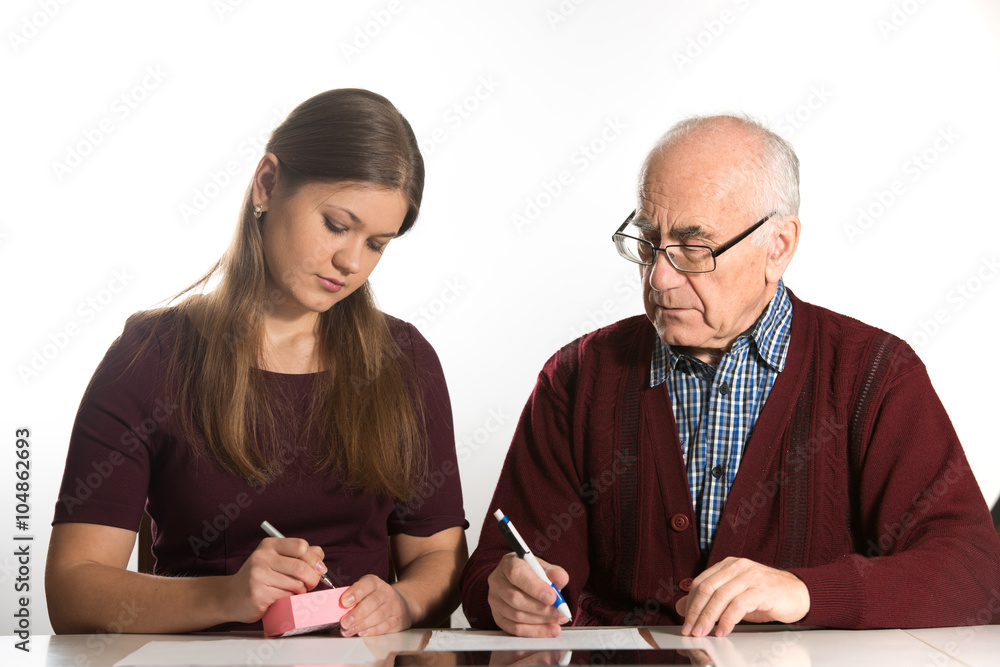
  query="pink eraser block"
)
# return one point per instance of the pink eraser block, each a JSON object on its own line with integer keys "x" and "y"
{"x": 308, "y": 612}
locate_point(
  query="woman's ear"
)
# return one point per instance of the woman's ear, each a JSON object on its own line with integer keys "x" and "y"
{"x": 265, "y": 179}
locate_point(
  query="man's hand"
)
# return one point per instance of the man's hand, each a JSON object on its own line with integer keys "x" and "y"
{"x": 521, "y": 602}
{"x": 738, "y": 589}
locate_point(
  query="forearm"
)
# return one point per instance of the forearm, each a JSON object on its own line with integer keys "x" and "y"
{"x": 943, "y": 583}
{"x": 429, "y": 585}
{"x": 90, "y": 597}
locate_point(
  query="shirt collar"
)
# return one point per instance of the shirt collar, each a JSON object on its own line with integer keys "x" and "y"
{"x": 768, "y": 338}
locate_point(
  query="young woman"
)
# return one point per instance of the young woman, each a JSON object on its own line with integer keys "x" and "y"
{"x": 283, "y": 394}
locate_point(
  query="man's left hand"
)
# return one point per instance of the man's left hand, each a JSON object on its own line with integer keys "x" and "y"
{"x": 737, "y": 589}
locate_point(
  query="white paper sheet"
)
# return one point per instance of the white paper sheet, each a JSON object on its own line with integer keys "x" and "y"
{"x": 250, "y": 651}
{"x": 570, "y": 638}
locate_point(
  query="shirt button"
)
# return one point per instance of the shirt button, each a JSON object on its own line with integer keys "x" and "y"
{"x": 685, "y": 584}
{"x": 724, "y": 388}
{"x": 679, "y": 522}
{"x": 717, "y": 472}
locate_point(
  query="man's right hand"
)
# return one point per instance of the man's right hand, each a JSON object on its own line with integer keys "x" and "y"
{"x": 522, "y": 604}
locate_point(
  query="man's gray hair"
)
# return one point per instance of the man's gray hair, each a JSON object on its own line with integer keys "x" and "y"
{"x": 771, "y": 183}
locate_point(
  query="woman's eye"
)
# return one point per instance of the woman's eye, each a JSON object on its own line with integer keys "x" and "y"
{"x": 336, "y": 229}
{"x": 377, "y": 247}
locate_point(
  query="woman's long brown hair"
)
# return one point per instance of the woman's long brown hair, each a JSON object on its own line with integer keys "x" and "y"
{"x": 366, "y": 407}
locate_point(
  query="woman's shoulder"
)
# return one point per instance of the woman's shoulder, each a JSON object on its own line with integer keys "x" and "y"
{"x": 153, "y": 321}
{"x": 409, "y": 339}
{"x": 154, "y": 333}
{"x": 404, "y": 333}
{"x": 162, "y": 323}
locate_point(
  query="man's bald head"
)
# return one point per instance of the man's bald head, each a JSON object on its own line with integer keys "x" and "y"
{"x": 754, "y": 167}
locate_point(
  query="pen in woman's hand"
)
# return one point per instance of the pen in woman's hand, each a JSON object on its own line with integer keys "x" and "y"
{"x": 274, "y": 532}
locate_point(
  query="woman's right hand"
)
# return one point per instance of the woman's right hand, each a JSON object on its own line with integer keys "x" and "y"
{"x": 277, "y": 568}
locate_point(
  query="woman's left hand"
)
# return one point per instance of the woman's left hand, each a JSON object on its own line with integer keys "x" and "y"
{"x": 379, "y": 608}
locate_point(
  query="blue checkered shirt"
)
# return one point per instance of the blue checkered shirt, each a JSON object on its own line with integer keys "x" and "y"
{"x": 716, "y": 408}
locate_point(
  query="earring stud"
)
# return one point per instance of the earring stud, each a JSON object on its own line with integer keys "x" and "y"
{"x": 258, "y": 211}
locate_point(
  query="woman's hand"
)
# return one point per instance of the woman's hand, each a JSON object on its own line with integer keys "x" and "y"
{"x": 277, "y": 568}
{"x": 425, "y": 592}
{"x": 379, "y": 609}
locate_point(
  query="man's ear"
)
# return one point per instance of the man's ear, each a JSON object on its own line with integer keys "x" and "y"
{"x": 264, "y": 180}
{"x": 781, "y": 247}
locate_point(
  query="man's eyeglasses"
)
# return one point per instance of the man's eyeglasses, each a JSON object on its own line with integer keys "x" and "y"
{"x": 686, "y": 258}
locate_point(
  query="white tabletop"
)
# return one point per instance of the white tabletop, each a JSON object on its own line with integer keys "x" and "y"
{"x": 749, "y": 646}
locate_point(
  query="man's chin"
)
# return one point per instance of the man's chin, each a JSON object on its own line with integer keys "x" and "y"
{"x": 676, "y": 337}
{"x": 676, "y": 332}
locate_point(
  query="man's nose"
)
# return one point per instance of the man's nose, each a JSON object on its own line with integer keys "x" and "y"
{"x": 663, "y": 275}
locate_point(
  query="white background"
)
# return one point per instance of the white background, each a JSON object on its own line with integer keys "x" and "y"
{"x": 861, "y": 88}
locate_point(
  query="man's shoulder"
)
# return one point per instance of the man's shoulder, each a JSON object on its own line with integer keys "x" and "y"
{"x": 832, "y": 321}
{"x": 605, "y": 350}
{"x": 848, "y": 340}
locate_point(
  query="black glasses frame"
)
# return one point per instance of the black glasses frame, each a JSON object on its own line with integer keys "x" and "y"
{"x": 715, "y": 253}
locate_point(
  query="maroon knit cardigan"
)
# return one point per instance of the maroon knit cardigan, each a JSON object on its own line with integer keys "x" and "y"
{"x": 853, "y": 479}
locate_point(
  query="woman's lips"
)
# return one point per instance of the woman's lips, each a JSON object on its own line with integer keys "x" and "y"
{"x": 331, "y": 284}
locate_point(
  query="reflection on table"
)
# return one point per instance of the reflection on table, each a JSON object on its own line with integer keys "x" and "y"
{"x": 749, "y": 646}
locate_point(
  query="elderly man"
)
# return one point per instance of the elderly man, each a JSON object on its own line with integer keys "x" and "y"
{"x": 737, "y": 454}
